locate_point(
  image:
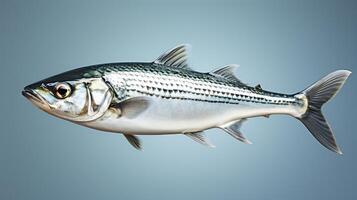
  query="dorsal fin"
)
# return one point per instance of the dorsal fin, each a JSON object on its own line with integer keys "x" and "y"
{"x": 176, "y": 57}
{"x": 227, "y": 72}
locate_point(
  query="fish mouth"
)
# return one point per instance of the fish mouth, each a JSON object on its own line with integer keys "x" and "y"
{"x": 35, "y": 98}
{"x": 31, "y": 95}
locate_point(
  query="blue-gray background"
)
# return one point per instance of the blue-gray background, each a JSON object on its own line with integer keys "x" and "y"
{"x": 283, "y": 45}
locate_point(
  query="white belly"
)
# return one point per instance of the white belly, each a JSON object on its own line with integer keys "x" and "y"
{"x": 168, "y": 116}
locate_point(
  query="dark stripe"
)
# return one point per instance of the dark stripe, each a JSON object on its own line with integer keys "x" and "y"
{"x": 237, "y": 100}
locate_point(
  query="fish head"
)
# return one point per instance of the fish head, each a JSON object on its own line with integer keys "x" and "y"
{"x": 74, "y": 98}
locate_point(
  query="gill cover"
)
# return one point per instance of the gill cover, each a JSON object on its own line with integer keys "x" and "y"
{"x": 97, "y": 101}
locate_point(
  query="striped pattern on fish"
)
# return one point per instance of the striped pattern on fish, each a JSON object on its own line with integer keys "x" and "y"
{"x": 168, "y": 97}
{"x": 174, "y": 83}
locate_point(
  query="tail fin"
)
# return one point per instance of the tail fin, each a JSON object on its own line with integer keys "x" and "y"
{"x": 318, "y": 94}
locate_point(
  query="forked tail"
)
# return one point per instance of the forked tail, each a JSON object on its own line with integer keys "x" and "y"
{"x": 318, "y": 94}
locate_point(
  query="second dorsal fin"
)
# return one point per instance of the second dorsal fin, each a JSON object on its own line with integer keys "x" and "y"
{"x": 227, "y": 72}
{"x": 176, "y": 57}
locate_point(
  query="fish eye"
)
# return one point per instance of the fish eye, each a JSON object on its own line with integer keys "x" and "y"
{"x": 62, "y": 90}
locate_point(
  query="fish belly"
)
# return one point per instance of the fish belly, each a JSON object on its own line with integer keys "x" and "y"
{"x": 169, "y": 116}
{"x": 172, "y": 116}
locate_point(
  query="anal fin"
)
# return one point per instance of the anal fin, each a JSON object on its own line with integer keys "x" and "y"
{"x": 232, "y": 128}
{"x": 200, "y": 138}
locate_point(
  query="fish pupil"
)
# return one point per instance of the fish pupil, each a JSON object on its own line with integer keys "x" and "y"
{"x": 62, "y": 91}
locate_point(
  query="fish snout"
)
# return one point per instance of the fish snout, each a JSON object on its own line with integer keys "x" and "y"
{"x": 31, "y": 95}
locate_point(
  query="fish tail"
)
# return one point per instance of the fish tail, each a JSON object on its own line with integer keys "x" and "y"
{"x": 318, "y": 94}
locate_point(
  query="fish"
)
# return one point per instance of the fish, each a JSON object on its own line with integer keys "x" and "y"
{"x": 166, "y": 96}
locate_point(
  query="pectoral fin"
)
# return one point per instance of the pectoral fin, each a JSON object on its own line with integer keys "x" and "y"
{"x": 133, "y": 107}
{"x": 134, "y": 141}
{"x": 200, "y": 138}
{"x": 232, "y": 128}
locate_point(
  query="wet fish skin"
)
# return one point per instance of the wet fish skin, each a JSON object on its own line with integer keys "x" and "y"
{"x": 167, "y": 97}
{"x": 150, "y": 79}
{"x": 178, "y": 88}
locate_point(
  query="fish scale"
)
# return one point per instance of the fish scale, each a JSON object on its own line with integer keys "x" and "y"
{"x": 167, "y": 82}
{"x": 167, "y": 97}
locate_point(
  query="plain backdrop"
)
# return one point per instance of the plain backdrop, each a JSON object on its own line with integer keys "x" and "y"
{"x": 282, "y": 45}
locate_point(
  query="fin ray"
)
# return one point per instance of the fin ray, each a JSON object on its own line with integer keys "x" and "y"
{"x": 318, "y": 94}
{"x": 134, "y": 141}
{"x": 200, "y": 138}
{"x": 232, "y": 128}
{"x": 176, "y": 57}
{"x": 227, "y": 72}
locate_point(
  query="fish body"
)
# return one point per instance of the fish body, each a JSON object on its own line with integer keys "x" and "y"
{"x": 183, "y": 101}
{"x": 167, "y": 97}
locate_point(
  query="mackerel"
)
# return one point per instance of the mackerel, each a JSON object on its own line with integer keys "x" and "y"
{"x": 168, "y": 97}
